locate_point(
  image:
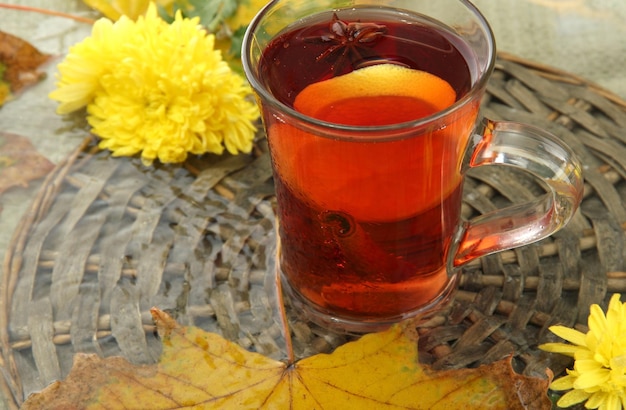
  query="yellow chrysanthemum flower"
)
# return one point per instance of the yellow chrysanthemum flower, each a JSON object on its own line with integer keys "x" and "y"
{"x": 156, "y": 88}
{"x": 599, "y": 374}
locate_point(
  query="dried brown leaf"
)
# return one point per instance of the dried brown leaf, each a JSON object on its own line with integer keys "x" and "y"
{"x": 20, "y": 61}
{"x": 20, "y": 162}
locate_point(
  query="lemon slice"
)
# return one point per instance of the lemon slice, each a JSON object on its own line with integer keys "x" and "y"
{"x": 376, "y": 95}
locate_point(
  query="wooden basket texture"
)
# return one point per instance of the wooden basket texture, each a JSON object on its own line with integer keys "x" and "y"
{"x": 107, "y": 238}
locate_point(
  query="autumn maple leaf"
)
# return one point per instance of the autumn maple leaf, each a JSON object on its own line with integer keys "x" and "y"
{"x": 202, "y": 370}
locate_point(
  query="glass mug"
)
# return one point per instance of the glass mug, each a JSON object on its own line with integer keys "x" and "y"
{"x": 371, "y": 109}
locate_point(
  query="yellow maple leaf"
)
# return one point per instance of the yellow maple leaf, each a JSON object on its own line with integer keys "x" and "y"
{"x": 202, "y": 370}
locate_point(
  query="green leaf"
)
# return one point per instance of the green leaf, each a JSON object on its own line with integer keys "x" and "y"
{"x": 212, "y": 13}
{"x": 237, "y": 41}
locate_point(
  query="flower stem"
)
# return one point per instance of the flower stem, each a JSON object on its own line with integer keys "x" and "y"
{"x": 48, "y": 12}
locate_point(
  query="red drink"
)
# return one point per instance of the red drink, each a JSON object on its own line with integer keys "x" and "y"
{"x": 366, "y": 222}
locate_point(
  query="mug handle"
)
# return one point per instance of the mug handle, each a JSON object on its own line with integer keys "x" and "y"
{"x": 544, "y": 156}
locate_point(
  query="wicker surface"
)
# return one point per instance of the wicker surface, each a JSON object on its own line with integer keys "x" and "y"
{"x": 106, "y": 239}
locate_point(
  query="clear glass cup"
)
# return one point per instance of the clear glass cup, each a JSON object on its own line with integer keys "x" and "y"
{"x": 371, "y": 110}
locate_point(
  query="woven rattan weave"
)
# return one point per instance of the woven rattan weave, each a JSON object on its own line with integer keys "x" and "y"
{"x": 107, "y": 238}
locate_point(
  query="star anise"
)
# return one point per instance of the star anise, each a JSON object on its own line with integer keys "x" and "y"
{"x": 351, "y": 43}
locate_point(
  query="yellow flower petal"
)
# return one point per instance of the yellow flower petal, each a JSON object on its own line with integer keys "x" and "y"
{"x": 600, "y": 399}
{"x": 590, "y": 378}
{"x": 618, "y": 363}
{"x": 587, "y": 365}
{"x": 597, "y": 321}
{"x": 615, "y": 303}
{"x": 571, "y": 335}
{"x": 72, "y": 97}
{"x": 573, "y": 397}
{"x": 569, "y": 350}
{"x": 611, "y": 402}
{"x": 616, "y": 316}
{"x": 584, "y": 354}
{"x": 563, "y": 383}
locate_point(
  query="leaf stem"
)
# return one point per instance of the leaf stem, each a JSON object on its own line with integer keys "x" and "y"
{"x": 47, "y": 12}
